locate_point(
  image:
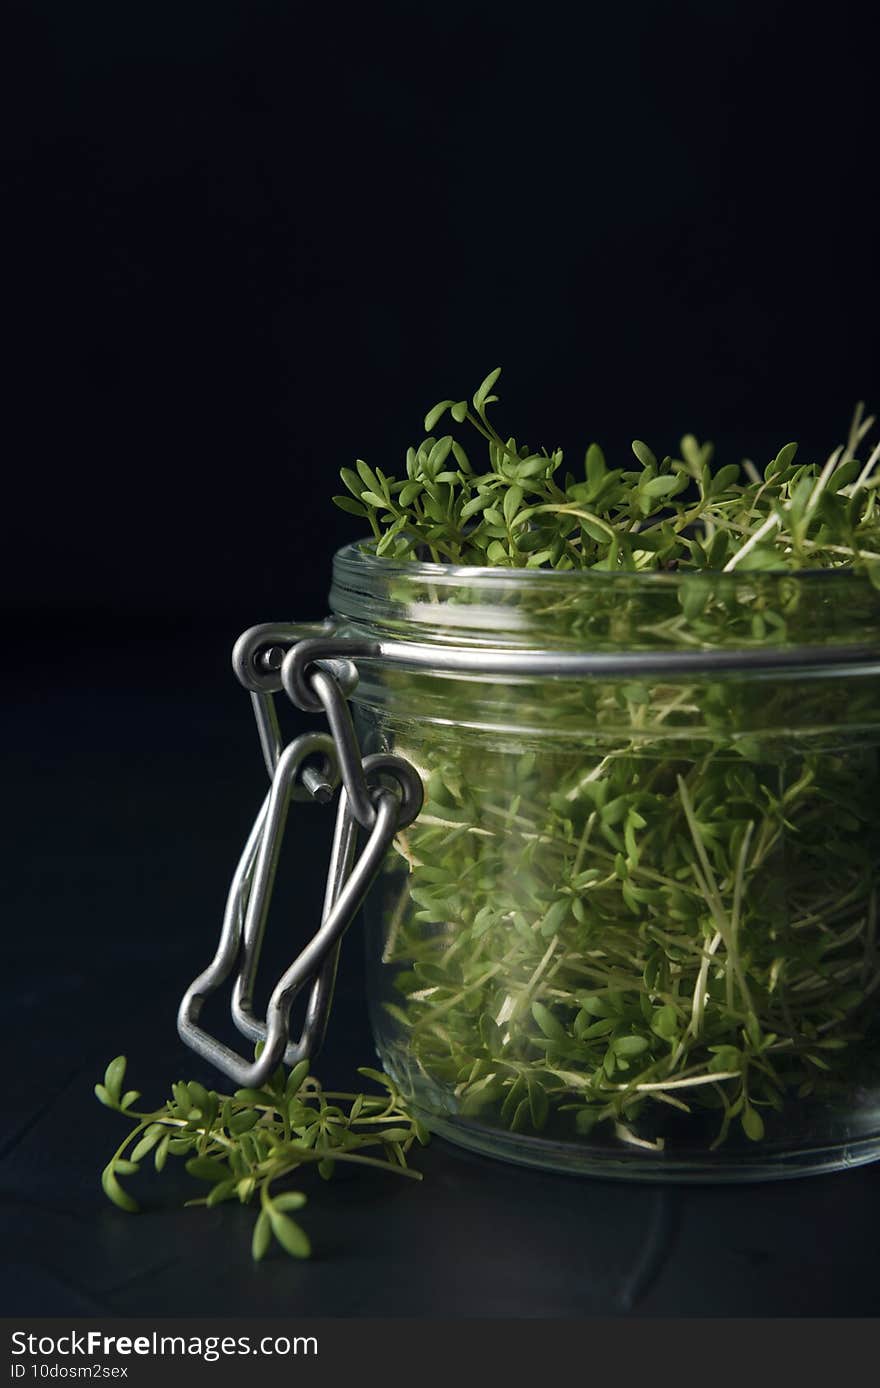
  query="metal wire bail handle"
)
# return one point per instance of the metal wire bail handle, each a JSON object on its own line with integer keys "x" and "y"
{"x": 363, "y": 802}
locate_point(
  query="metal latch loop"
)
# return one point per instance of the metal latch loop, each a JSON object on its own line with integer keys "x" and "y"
{"x": 345, "y": 741}
{"x": 296, "y": 671}
{"x": 364, "y": 801}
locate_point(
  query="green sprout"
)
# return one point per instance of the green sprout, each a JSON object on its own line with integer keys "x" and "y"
{"x": 665, "y": 513}
{"x": 242, "y": 1145}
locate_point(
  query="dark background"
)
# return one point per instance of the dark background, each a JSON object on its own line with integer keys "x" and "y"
{"x": 248, "y": 242}
{"x": 244, "y": 243}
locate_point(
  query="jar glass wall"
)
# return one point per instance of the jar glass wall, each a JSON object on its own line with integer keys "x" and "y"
{"x": 634, "y": 930}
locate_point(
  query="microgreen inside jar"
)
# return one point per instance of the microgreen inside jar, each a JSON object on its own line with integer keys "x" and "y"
{"x": 633, "y": 929}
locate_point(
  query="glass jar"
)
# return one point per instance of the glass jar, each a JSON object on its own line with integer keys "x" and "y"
{"x": 633, "y": 931}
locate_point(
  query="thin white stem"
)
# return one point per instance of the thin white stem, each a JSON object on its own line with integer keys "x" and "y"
{"x": 857, "y": 431}
{"x": 627, "y": 1135}
{"x": 865, "y": 473}
{"x": 683, "y": 1084}
{"x": 707, "y": 883}
{"x": 842, "y": 549}
{"x": 698, "y": 1005}
{"x": 769, "y": 524}
{"x": 751, "y": 471}
{"x": 821, "y": 483}
{"x": 739, "y": 882}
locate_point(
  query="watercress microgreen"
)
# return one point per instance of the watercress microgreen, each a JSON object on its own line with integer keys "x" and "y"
{"x": 242, "y": 1146}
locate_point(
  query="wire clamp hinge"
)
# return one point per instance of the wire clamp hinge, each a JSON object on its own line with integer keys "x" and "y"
{"x": 267, "y": 659}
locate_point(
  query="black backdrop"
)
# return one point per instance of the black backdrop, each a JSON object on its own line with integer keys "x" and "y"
{"x": 244, "y": 242}
{"x": 248, "y": 242}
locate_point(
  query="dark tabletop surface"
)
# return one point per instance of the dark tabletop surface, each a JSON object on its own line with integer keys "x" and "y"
{"x": 132, "y": 774}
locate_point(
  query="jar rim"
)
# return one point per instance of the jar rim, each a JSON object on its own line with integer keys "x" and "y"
{"x": 359, "y": 556}
{"x": 381, "y": 598}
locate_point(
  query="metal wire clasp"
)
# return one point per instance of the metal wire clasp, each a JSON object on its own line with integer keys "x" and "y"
{"x": 310, "y": 767}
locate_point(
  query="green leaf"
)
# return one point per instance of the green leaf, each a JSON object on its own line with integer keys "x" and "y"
{"x": 297, "y": 1078}
{"x": 113, "y": 1077}
{"x": 177, "y": 1146}
{"x": 643, "y": 453}
{"x": 752, "y": 1123}
{"x": 629, "y": 1045}
{"x": 224, "y": 1190}
{"x": 476, "y": 504}
{"x": 725, "y": 477}
{"x": 256, "y": 1096}
{"x": 461, "y": 458}
{"x": 783, "y": 460}
{"x": 346, "y": 503}
{"x": 181, "y": 1097}
{"x": 595, "y": 1006}
{"x": 459, "y": 411}
{"x": 554, "y": 918}
{"x": 719, "y": 550}
{"x": 290, "y": 1200}
{"x": 149, "y": 1140}
{"x": 409, "y": 493}
{"x": 550, "y": 1025}
{"x": 692, "y": 454}
{"x": 113, "y": 1190}
{"x": 588, "y": 1031}
{"x": 480, "y": 398}
{"x": 662, "y": 486}
{"x": 438, "y": 455}
{"x": 636, "y": 693}
{"x": 208, "y": 1169}
{"x": 595, "y": 465}
{"x": 288, "y": 1233}
{"x": 376, "y": 1075}
{"x": 437, "y": 413}
{"x": 725, "y": 1058}
{"x": 199, "y": 1096}
{"x": 665, "y": 1022}
{"x": 800, "y": 495}
{"x": 585, "y": 1120}
{"x": 513, "y": 499}
{"x": 351, "y": 481}
{"x": 368, "y": 476}
{"x": 522, "y": 1117}
{"x": 761, "y": 557}
{"x": 262, "y": 1237}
